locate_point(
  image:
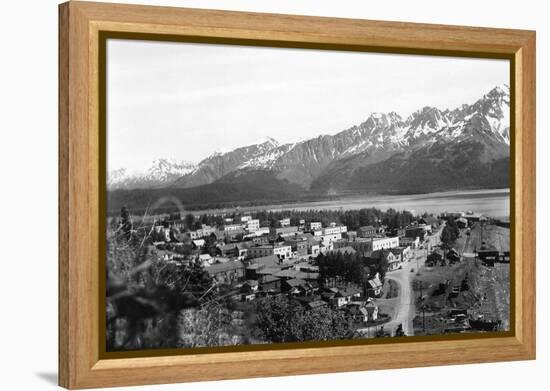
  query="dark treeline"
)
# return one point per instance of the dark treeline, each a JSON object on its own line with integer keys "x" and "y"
{"x": 281, "y": 319}
{"x": 450, "y": 233}
{"x": 347, "y": 267}
{"x": 353, "y": 219}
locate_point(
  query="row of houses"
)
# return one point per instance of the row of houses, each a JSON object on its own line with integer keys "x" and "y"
{"x": 245, "y": 240}
{"x": 345, "y": 299}
{"x": 281, "y": 262}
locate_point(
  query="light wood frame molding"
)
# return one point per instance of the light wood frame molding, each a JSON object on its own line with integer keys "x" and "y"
{"x": 80, "y": 23}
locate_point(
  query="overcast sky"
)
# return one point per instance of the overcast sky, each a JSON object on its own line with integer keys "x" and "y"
{"x": 185, "y": 101}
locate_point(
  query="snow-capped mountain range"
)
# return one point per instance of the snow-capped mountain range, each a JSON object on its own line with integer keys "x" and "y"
{"x": 161, "y": 172}
{"x": 478, "y": 132}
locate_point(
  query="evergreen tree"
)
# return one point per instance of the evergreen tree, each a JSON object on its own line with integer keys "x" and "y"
{"x": 126, "y": 225}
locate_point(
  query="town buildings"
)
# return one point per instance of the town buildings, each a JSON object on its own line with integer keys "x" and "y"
{"x": 255, "y": 260}
{"x": 252, "y": 225}
{"x": 415, "y": 232}
{"x": 280, "y": 249}
{"x": 232, "y": 227}
{"x": 228, "y": 272}
{"x": 335, "y": 229}
{"x": 299, "y": 246}
{"x": 285, "y": 222}
{"x": 406, "y": 241}
{"x": 366, "y": 232}
{"x": 379, "y": 243}
{"x": 315, "y": 226}
{"x": 284, "y": 231}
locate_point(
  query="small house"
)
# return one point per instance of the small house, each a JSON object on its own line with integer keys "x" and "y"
{"x": 375, "y": 286}
{"x": 296, "y": 286}
{"x": 372, "y": 310}
{"x": 357, "y": 313}
{"x": 270, "y": 283}
{"x": 366, "y": 231}
{"x": 227, "y": 273}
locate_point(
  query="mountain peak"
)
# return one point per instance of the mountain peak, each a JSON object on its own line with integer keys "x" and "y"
{"x": 160, "y": 171}
{"x": 381, "y": 120}
{"x": 377, "y": 115}
{"x": 427, "y": 120}
{"x": 270, "y": 141}
{"x": 378, "y": 137}
{"x": 499, "y": 91}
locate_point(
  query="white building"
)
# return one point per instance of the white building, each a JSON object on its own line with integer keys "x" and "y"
{"x": 232, "y": 227}
{"x": 285, "y": 222}
{"x": 206, "y": 259}
{"x": 337, "y": 229}
{"x": 329, "y": 239}
{"x": 409, "y": 242}
{"x": 384, "y": 243}
{"x": 315, "y": 226}
{"x": 199, "y": 242}
{"x": 262, "y": 231}
{"x": 314, "y": 250}
{"x": 201, "y": 233}
{"x": 253, "y": 225}
{"x": 283, "y": 251}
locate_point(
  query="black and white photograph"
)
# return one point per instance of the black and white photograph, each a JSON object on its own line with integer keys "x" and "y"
{"x": 267, "y": 195}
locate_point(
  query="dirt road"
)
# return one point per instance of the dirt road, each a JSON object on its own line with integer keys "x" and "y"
{"x": 404, "y": 309}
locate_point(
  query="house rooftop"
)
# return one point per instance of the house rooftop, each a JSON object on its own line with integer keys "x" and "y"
{"x": 473, "y": 215}
{"x": 225, "y": 267}
{"x": 268, "y": 270}
{"x": 348, "y": 291}
{"x": 270, "y": 260}
{"x": 270, "y": 278}
{"x": 306, "y": 265}
{"x": 430, "y": 220}
{"x": 295, "y": 282}
{"x": 297, "y": 274}
{"x": 367, "y": 228}
{"x": 375, "y": 283}
{"x": 226, "y": 247}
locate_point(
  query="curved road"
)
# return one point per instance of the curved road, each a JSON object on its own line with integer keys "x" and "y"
{"x": 405, "y": 310}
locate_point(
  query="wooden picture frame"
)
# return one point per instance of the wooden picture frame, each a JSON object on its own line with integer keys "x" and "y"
{"x": 81, "y": 364}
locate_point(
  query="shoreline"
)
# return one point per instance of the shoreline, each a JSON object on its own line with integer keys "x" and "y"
{"x": 374, "y": 199}
{"x": 417, "y": 203}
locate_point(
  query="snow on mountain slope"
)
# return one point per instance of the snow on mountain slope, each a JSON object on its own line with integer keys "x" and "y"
{"x": 219, "y": 164}
{"x": 377, "y": 138}
{"x": 161, "y": 172}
